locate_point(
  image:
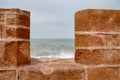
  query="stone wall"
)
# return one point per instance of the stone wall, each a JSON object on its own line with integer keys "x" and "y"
{"x": 97, "y": 51}
{"x": 97, "y": 43}
{"x": 14, "y": 37}
{"x": 60, "y": 69}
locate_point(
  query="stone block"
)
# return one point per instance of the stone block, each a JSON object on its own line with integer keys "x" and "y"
{"x": 15, "y": 17}
{"x": 54, "y": 69}
{"x": 11, "y": 19}
{"x": 113, "y": 40}
{"x": 14, "y": 53}
{"x": 12, "y": 10}
{"x": 87, "y": 40}
{"x": 18, "y": 19}
{"x": 17, "y": 33}
{"x": 2, "y": 18}
{"x": 97, "y": 20}
{"x": 58, "y": 75}
{"x": 1, "y": 30}
{"x": 23, "y": 20}
{"x": 7, "y": 75}
{"x": 97, "y": 40}
{"x": 97, "y": 56}
{"x": 108, "y": 73}
{"x": 9, "y": 32}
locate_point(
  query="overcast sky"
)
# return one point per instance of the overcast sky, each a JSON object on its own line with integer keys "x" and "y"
{"x": 55, "y": 18}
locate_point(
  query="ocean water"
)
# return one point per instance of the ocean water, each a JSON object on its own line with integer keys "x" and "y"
{"x": 62, "y": 48}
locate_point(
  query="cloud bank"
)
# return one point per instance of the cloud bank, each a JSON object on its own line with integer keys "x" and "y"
{"x": 55, "y": 18}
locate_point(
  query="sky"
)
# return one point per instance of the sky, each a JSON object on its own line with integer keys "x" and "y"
{"x": 55, "y": 18}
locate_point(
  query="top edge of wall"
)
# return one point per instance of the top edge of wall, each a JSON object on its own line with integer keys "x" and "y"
{"x": 96, "y": 10}
{"x": 17, "y": 10}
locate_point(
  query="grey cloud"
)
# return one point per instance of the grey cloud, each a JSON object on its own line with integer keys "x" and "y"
{"x": 55, "y": 18}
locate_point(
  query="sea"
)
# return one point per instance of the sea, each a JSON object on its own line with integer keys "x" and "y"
{"x": 58, "y": 48}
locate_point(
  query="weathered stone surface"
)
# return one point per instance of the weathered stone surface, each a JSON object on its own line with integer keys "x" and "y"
{"x": 12, "y": 10}
{"x": 23, "y": 20}
{"x": 97, "y": 20}
{"x": 11, "y": 19}
{"x": 103, "y": 74}
{"x": 15, "y": 17}
{"x": 14, "y": 53}
{"x": 113, "y": 40}
{"x": 86, "y": 40}
{"x": 1, "y": 30}
{"x": 14, "y": 37}
{"x": 7, "y": 75}
{"x": 97, "y": 40}
{"x": 97, "y": 56}
{"x": 52, "y": 69}
{"x": 2, "y": 18}
{"x": 17, "y": 33}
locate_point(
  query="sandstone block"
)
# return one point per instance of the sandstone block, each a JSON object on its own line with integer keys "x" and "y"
{"x": 97, "y": 56}
{"x": 103, "y": 74}
{"x": 53, "y": 69}
{"x": 14, "y": 53}
{"x": 86, "y": 40}
{"x": 13, "y": 10}
{"x": 1, "y": 30}
{"x": 17, "y": 33}
{"x": 23, "y": 20}
{"x": 2, "y": 18}
{"x": 97, "y": 40}
{"x": 113, "y": 40}
{"x": 7, "y": 75}
{"x": 58, "y": 75}
{"x": 15, "y": 17}
{"x": 94, "y": 20}
{"x": 11, "y": 19}
{"x": 18, "y": 19}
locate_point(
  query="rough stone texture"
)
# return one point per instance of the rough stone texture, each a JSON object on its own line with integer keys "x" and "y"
{"x": 90, "y": 41}
{"x": 14, "y": 37}
{"x": 14, "y": 53}
{"x": 97, "y": 40}
{"x": 8, "y": 32}
{"x": 59, "y": 69}
{"x": 52, "y": 69}
{"x": 113, "y": 40}
{"x": 0, "y": 30}
{"x": 103, "y": 74}
{"x": 97, "y": 56}
{"x": 7, "y": 75}
{"x": 94, "y": 20}
{"x": 23, "y": 20}
{"x": 17, "y": 33}
{"x": 97, "y": 37}
{"x": 2, "y": 17}
{"x": 16, "y": 17}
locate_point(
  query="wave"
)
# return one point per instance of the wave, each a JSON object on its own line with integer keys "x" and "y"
{"x": 59, "y": 55}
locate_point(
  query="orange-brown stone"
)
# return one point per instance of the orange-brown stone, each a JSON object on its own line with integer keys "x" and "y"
{"x": 15, "y": 17}
{"x": 97, "y": 56}
{"x": 97, "y": 40}
{"x": 104, "y": 73}
{"x": 52, "y": 69}
{"x": 17, "y": 33}
{"x": 86, "y": 40}
{"x": 14, "y": 37}
{"x": 2, "y": 18}
{"x": 95, "y": 20}
{"x": 7, "y": 75}
{"x": 14, "y": 53}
